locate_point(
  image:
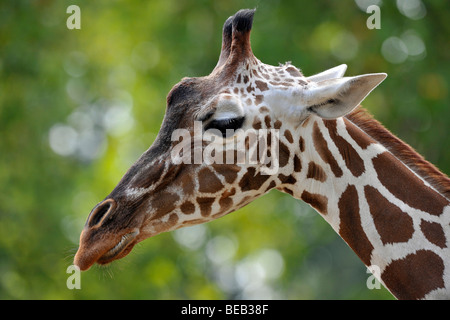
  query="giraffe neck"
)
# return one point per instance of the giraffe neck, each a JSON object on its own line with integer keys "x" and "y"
{"x": 395, "y": 219}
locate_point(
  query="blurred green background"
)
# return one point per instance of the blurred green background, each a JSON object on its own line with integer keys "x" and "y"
{"x": 78, "y": 107}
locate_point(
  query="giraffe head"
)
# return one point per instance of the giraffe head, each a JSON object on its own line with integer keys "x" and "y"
{"x": 206, "y": 160}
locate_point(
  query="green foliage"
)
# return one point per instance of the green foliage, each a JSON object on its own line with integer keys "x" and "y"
{"x": 77, "y": 107}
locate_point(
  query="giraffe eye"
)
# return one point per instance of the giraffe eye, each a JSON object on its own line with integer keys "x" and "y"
{"x": 225, "y": 126}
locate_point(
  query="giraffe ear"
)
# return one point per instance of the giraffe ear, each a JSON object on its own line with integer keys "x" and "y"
{"x": 335, "y": 98}
{"x": 336, "y": 72}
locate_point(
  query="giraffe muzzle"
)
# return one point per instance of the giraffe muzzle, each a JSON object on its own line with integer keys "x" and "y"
{"x": 102, "y": 241}
{"x": 121, "y": 249}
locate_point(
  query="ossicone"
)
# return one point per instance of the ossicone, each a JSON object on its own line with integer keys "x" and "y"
{"x": 243, "y": 20}
{"x": 236, "y": 37}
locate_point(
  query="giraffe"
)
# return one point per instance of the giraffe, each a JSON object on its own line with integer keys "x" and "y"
{"x": 385, "y": 200}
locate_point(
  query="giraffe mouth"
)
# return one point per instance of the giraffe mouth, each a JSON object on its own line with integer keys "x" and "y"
{"x": 121, "y": 249}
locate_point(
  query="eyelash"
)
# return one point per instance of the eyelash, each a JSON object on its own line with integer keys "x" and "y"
{"x": 223, "y": 125}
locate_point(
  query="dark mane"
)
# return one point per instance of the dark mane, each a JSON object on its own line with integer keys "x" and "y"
{"x": 402, "y": 151}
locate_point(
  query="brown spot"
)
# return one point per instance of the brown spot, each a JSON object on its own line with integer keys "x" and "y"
{"x": 238, "y": 80}
{"x": 434, "y": 233}
{"x": 289, "y": 191}
{"x": 245, "y": 79}
{"x": 317, "y": 201}
{"x": 415, "y": 275}
{"x": 163, "y": 203}
{"x": 252, "y": 180}
{"x": 362, "y": 119}
{"x": 258, "y": 99}
{"x": 288, "y": 136}
{"x": 316, "y": 172}
{"x": 321, "y": 147}
{"x": 393, "y": 225}
{"x": 293, "y": 71}
{"x": 160, "y": 226}
{"x": 228, "y": 171}
{"x": 262, "y": 86}
{"x": 185, "y": 180}
{"x": 277, "y": 124}
{"x": 208, "y": 181}
{"x": 287, "y": 179}
{"x": 173, "y": 219}
{"x": 301, "y": 144}
{"x": 263, "y": 109}
{"x": 283, "y": 154}
{"x": 267, "y": 121}
{"x": 406, "y": 186}
{"x": 257, "y": 124}
{"x": 268, "y": 142}
{"x": 225, "y": 204}
{"x": 350, "y": 227}
{"x": 205, "y": 204}
{"x": 229, "y": 193}
{"x": 359, "y": 136}
{"x": 272, "y": 184}
{"x": 250, "y": 89}
{"x": 247, "y": 143}
{"x": 187, "y": 207}
{"x": 352, "y": 159}
{"x": 297, "y": 164}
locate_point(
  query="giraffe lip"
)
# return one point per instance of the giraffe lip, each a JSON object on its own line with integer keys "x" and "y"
{"x": 121, "y": 249}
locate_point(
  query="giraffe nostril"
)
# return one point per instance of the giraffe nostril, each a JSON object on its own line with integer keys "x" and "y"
{"x": 100, "y": 212}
